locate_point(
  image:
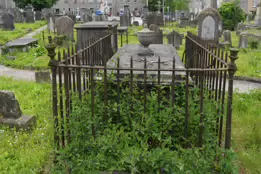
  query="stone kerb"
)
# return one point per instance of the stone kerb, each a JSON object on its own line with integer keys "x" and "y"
{"x": 209, "y": 20}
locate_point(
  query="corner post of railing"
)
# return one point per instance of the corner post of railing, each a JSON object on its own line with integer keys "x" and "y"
{"x": 54, "y": 64}
{"x": 232, "y": 68}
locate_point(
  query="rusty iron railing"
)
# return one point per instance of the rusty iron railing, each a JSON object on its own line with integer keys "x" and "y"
{"x": 75, "y": 71}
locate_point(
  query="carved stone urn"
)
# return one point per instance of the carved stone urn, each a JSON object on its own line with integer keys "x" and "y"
{"x": 146, "y": 37}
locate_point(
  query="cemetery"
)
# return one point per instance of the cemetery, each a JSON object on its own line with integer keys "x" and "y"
{"x": 129, "y": 94}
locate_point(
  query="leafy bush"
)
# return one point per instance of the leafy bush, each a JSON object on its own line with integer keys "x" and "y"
{"x": 138, "y": 142}
{"x": 253, "y": 44}
{"x": 231, "y": 14}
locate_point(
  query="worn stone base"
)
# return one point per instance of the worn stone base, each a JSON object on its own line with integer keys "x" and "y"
{"x": 42, "y": 77}
{"x": 22, "y": 123}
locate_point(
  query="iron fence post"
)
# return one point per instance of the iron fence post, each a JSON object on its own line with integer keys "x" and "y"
{"x": 53, "y": 64}
{"x": 232, "y": 68}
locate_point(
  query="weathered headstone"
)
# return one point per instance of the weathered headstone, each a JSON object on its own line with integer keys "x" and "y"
{"x": 38, "y": 15}
{"x": 125, "y": 19}
{"x": 29, "y": 14}
{"x": 18, "y": 15}
{"x": 227, "y": 36}
{"x": 86, "y": 17}
{"x": 64, "y": 26}
{"x": 183, "y": 21}
{"x": 1, "y": 14}
{"x": 243, "y": 40}
{"x": 258, "y": 14}
{"x": 42, "y": 76}
{"x": 209, "y": 21}
{"x": 8, "y": 21}
{"x": 241, "y": 26}
{"x": 175, "y": 39}
{"x": 11, "y": 114}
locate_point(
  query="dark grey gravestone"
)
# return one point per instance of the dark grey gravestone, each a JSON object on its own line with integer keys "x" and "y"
{"x": 151, "y": 18}
{"x": 243, "y": 40}
{"x": 1, "y": 14}
{"x": 208, "y": 25}
{"x": 64, "y": 26}
{"x": 29, "y": 14}
{"x": 175, "y": 39}
{"x": 227, "y": 36}
{"x": 38, "y": 15}
{"x": 145, "y": 13}
{"x": 241, "y": 26}
{"x": 42, "y": 76}
{"x": 8, "y": 21}
{"x": 11, "y": 114}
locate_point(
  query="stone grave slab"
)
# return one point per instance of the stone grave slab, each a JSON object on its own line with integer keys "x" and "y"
{"x": 166, "y": 52}
{"x": 23, "y": 44}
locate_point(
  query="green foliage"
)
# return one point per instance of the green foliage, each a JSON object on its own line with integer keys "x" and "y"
{"x": 37, "y": 4}
{"x": 246, "y": 130}
{"x": 231, "y": 14}
{"x": 138, "y": 142}
{"x": 253, "y": 44}
{"x": 174, "y": 5}
{"x": 27, "y": 152}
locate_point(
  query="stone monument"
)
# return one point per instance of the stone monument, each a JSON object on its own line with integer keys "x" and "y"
{"x": 8, "y": 21}
{"x": 209, "y": 20}
{"x": 1, "y": 14}
{"x": 258, "y": 14}
{"x": 64, "y": 26}
{"x": 29, "y": 14}
{"x": 11, "y": 114}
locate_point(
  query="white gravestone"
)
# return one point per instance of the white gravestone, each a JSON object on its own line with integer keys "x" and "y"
{"x": 208, "y": 28}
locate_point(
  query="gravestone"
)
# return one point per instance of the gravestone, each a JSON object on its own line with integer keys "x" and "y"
{"x": 175, "y": 39}
{"x": 50, "y": 21}
{"x": 8, "y": 21}
{"x": 42, "y": 76}
{"x": 18, "y": 15}
{"x": 38, "y": 15}
{"x": 86, "y": 17}
{"x": 227, "y": 37}
{"x": 183, "y": 21}
{"x": 29, "y": 14}
{"x": 94, "y": 17}
{"x": 21, "y": 44}
{"x": 11, "y": 114}
{"x": 145, "y": 13}
{"x": 73, "y": 17}
{"x": 208, "y": 25}
{"x": 125, "y": 19}
{"x": 158, "y": 35}
{"x": 243, "y": 40}
{"x": 1, "y": 14}
{"x": 241, "y": 26}
{"x": 258, "y": 14}
{"x": 64, "y": 26}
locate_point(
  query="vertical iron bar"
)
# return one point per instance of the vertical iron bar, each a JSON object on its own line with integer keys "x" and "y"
{"x": 118, "y": 90}
{"x": 145, "y": 85}
{"x": 159, "y": 94}
{"x": 187, "y": 104}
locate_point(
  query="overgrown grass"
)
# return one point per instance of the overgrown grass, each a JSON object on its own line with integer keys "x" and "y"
{"x": 24, "y": 152}
{"x": 247, "y": 131}
{"x": 20, "y": 30}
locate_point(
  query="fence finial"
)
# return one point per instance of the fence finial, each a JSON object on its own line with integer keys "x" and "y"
{"x": 232, "y": 67}
{"x": 51, "y": 51}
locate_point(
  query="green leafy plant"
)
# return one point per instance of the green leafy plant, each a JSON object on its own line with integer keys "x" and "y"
{"x": 134, "y": 141}
{"x": 231, "y": 14}
{"x": 253, "y": 44}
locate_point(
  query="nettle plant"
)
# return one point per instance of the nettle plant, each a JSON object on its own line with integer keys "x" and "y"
{"x": 133, "y": 141}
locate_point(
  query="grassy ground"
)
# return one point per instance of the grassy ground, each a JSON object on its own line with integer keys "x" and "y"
{"x": 22, "y": 152}
{"x": 20, "y": 30}
{"x": 247, "y": 131}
